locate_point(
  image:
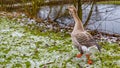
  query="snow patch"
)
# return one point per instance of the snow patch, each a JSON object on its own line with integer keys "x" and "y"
{"x": 5, "y": 30}
{"x": 17, "y": 34}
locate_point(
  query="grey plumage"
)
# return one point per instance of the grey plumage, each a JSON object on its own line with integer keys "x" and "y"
{"x": 79, "y": 36}
{"x": 83, "y": 39}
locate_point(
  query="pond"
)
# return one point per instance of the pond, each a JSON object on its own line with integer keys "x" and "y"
{"x": 105, "y": 18}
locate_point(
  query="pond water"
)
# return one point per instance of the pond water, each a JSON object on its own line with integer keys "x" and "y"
{"x": 105, "y": 18}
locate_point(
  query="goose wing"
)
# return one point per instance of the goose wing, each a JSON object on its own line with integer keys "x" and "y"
{"x": 86, "y": 39}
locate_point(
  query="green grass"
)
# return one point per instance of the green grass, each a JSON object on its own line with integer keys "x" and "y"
{"x": 23, "y": 47}
{"x": 109, "y": 2}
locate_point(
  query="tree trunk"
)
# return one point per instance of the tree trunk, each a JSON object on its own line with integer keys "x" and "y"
{"x": 89, "y": 16}
{"x": 80, "y": 9}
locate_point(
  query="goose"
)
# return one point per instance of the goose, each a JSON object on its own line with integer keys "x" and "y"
{"x": 80, "y": 37}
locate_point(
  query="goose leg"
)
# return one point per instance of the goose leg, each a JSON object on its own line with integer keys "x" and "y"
{"x": 81, "y": 52}
{"x": 89, "y": 61}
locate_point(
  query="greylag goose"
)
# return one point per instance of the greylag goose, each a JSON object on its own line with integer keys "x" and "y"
{"x": 80, "y": 37}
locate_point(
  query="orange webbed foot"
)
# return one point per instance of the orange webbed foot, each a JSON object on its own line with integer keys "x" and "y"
{"x": 78, "y": 55}
{"x": 90, "y": 61}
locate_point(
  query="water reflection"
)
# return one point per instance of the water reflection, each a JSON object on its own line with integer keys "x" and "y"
{"x": 105, "y": 18}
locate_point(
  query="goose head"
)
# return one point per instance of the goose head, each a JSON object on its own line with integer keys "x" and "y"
{"x": 72, "y": 10}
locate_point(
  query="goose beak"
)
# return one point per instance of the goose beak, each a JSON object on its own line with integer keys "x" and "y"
{"x": 66, "y": 9}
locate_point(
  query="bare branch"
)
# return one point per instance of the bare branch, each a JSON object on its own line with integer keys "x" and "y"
{"x": 90, "y": 13}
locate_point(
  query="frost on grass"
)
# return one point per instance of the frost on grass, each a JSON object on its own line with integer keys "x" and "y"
{"x": 19, "y": 47}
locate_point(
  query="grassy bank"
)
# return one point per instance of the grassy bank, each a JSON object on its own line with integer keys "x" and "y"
{"x": 26, "y": 47}
{"x": 109, "y": 2}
